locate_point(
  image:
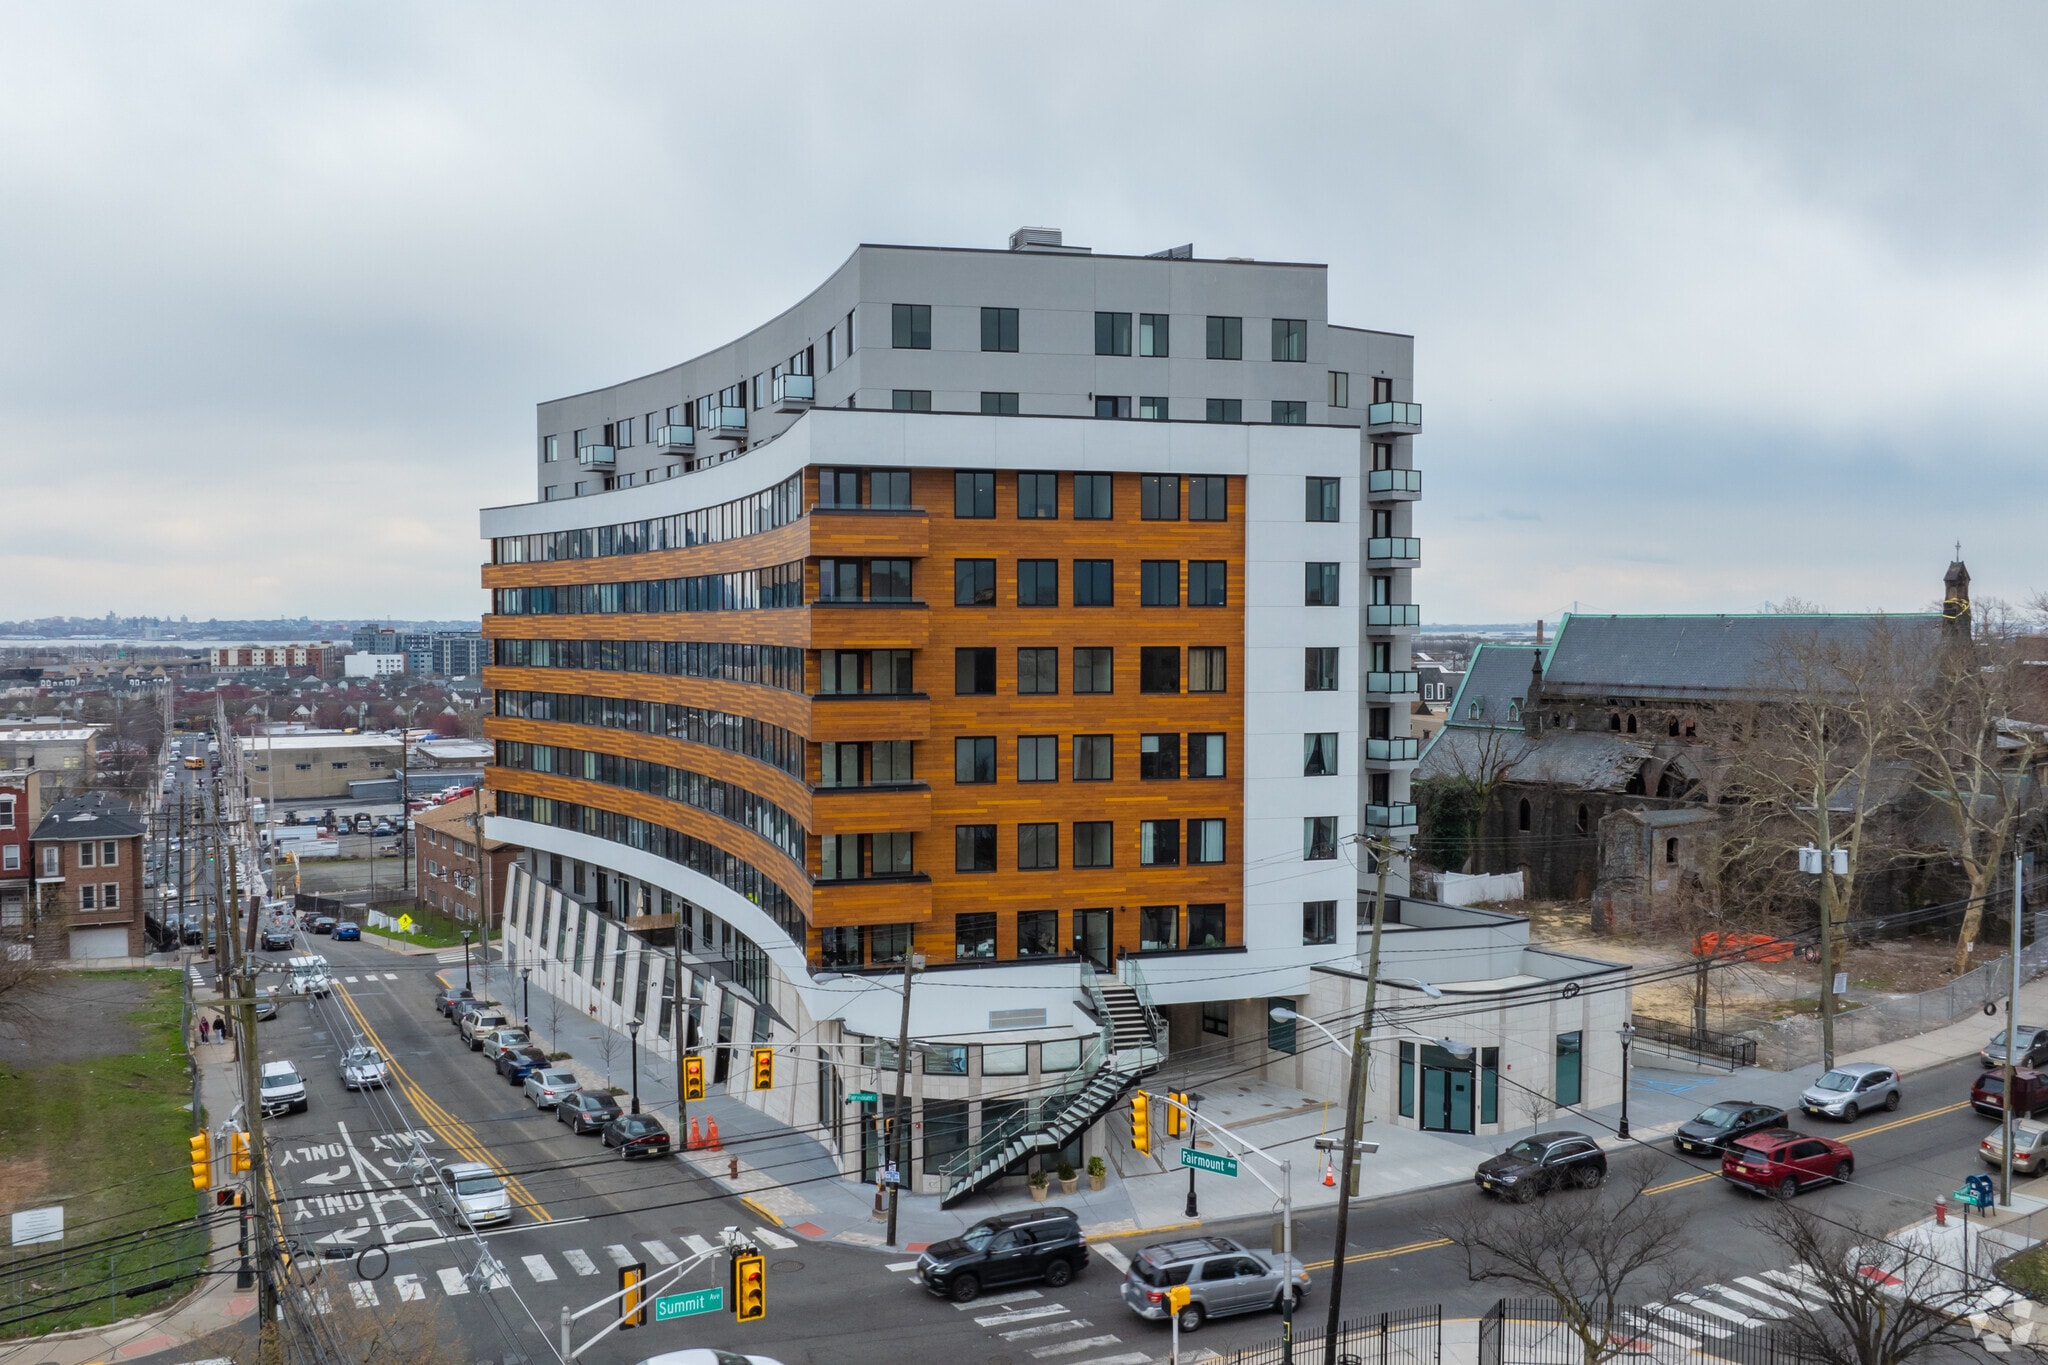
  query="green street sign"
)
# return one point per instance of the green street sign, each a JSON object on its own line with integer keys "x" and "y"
{"x": 1203, "y": 1161}
{"x": 863, "y": 1097}
{"x": 689, "y": 1305}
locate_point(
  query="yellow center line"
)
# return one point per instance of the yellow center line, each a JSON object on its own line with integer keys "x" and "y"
{"x": 449, "y": 1128}
{"x": 1430, "y": 1245}
{"x": 1705, "y": 1176}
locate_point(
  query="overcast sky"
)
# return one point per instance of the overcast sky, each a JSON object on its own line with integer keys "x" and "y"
{"x": 1712, "y": 304}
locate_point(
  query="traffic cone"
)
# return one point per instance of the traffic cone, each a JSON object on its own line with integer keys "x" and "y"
{"x": 711, "y": 1135}
{"x": 1329, "y": 1175}
{"x": 696, "y": 1139}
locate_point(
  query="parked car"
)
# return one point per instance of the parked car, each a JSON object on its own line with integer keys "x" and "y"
{"x": 1542, "y": 1162}
{"x": 1783, "y": 1162}
{"x": 2029, "y": 1147}
{"x": 466, "y": 1007}
{"x": 1012, "y": 1248}
{"x": 705, "y": 1355}
{"x": 1221, "y": 1276}
{"x": 448, "y": 997}
{"x": 515, "y": 1064}
{"x": 282, "y": 1089}
{"x": 586, "y": 1111}
{"x": 2029, "y": 1093}
{"x": 1711, "y": 1130}
{"x": 266, "y": 1005}
{"x": 637, "y": 1135}
{"x": 546, "y": 1086}
{"x": 472, "y": 1194}
{"x": 362, "y": 1067}
{"x": 323, "y": 924}
{"x": 475, "y": 1024}
{"x": 2032, "y": 1051}
{"x": 347, "y": 931}
{"x": 492, "y": 1042}
{"x": 1852, "y": 1089}
{"x": 278, "y": 940}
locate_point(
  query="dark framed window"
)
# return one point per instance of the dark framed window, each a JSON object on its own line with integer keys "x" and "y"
{"x": 1094, "y": 670}
{"x": 1226, "y": 338}
{"x": 1289, "y": 412}
{"x": 1152, "y": 334}
{"x": 910, "y": 400}
{"x": 1290, "y": 339}
{"x": 1489, "y": 1085}
{"x": 974, "y": 492}
{"x": 973, "y": 936}
{"x": 974, "y": 582}
{"x": 1038, "y": 935}
{"x": 1319, "y": 754}
{"x": 1322, "y": 498}
{"x": 974, "y": 759}
{"x": 1159, "y": 668}
{"x": 1159, "y": 843}
{"x": 1208, "y": 668}
{"x": 1319, "y": 838}
{"x": 910, "y": 326}
{"x": 1159, "y": 497}
{"x": 1112, "y": 405}
{"x": 1038, "y": 582}
{"x": 1094, "y": 583}
{"x": 1205, "y": 755}
{"x": 1152, "y": 409}
{"x": 1094, "y": 843}
{"x": 998, "y": 329}
{"x": 1038, "y": 848}
{"x": 1208, "y": 497}
{"x": 1205, "y": 842}
{"x": 1094, "y": 497}
{"x": 1407, "y": 1082}
{"x": 1319, "y": 668}
{"x": 1038, "y": 671}
{"x": 1569, "y": 1046}
{"x": 1319, "y": 584}
{"x": 1159, "y": 757}
{"x": 889, "y": 580}
{"x": 1112, "y": 334}
{"x": 1159, "y": 583}
{"x": 1223, "y": 410}
{"x": 1340, "y": 389}
{"x": 1318, "y": 922}
{"x": 974, "y": 848}
{"x": 1208, "y": 583}
{"x": 1205, "y": 926}
{"x": 1038, "y": 758}
{"x": 1038, "y": 497}
{"x": 1158, "y": 928}
{"x": 994, "y": 404}
{"x": 1094, "y": 758}
{"x": 1215, "y": 1013}
{"x": 974, "y": 672}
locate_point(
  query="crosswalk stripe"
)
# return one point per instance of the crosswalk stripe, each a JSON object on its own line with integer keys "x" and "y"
{"x": 391, "y": 976}
{"x": 1755, "y": 1305}
{"x": 499, "y": 1279}
{"x": 452, "y": 1282}
{"x": 992, "y": 1300}
{"x": 1069, "y": 1348}
{"x": 1127, "y": 1358}
{"x": 410, "y": 1290}
{"x": 898, "y": 1267}
{"x": 774, "y": 1240}
{"x": 1691, "y": 1322}
{"x": 580, "y": 1262}
{"x": 364, "y": 1293}
{"x": 316, "y": 1301}
{"x": 1725, "y": 1314}
{"x": 348, "y": 980}
{"x": 1796, "y": 1277}
{"x": 1678, "y": 1339}
{"x": 658, "y": 1249}
{"x": 1051, "y": 1310}
{"x": 620, "y": 1256}
{"x": 1047, "y": 1329}
{"x": 1114, "y": 1257}
{"x": 538, "y": 1267}
{"x": 1760, "y": 1287}
{"x": 697, "y": 1245}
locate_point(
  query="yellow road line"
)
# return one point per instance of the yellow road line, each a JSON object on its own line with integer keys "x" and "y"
{"x": 450, "y": 1129}
{"x": 1705, "y": 1176}
{"x": 1430, "y": 1245}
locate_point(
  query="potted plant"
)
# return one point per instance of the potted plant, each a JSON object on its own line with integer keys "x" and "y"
{"x": 1038, "y": 1186}
{"x": 1069, "y": 1182}
{"x": 1098, "y": 1174}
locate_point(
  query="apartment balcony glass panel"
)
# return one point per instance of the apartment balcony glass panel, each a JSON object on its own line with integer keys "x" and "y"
{"x": 1390, "y": 485}
{"x": 1390, "y": 548}
{"x": 1390, "y": 684}
{"x": 725, "y": 424}
{"x": 1393, "y": 819}
{"x": 675, "y": 437}
{"x": 794, "y": 392}
{"x": 1398, "y": 418}
{"x": 596, "y": 457}
{"x": 1392, "y": 615}
{"x": 1390, "y": 750}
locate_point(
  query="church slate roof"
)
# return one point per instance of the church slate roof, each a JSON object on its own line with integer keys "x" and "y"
{"x": 1701, "y": 657}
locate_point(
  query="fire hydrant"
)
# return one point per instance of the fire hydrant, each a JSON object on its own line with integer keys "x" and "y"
{"x": 1941, "y": 1210}
{"x": 732, "y": 1169}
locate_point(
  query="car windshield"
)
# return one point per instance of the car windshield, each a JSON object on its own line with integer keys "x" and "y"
{"x": 977, "y": 1237}
{"x": 1720, "y": 1116}
{"x": 1836, "y": 1080}
{"x": 1527, "y": 1149}
{"x": 1992, "y": 1085}
{"x": 479, "y": 1184}
{"x": 364, "y": 1057}
{"x": 285, "y": 1077}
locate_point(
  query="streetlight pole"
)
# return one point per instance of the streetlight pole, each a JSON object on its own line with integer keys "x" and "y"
{"x": 1628, "y": 1036}
{"x": 1354, "y": 1099}
{"x": 898, "y": 1130}
{"x": 633, "y": 1034}
{"x": 525, "y": 994}
{"x": 1192, "y": 1210}
{"x": 466, "y": 933}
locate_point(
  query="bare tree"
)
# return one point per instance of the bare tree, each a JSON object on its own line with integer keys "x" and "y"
{"x": 1592, "y": 1255}
{"x": 1460, "y": 796}
{"x": 1874, "y": 1300}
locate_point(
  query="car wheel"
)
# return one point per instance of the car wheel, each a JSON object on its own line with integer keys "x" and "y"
{"x": 1891, "y": 1101}
{"x": 1589, "y": 1177}
{"x": 1287, "y": 1300}
{"x": 1058, "y": 1273}
{"x": 1851, "y": 1113}
{"x": 1191, "y": 1318}
{"x": 964, "y": 1289}
{"x": 1525, "y": 1191}
{"x": 1843, "y": 1170}
{"x": 1787, "y": 1188}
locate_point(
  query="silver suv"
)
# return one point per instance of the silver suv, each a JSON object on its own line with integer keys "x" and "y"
{"x": 1222, "y": 1278}
{"x": 1852, "y": 1089}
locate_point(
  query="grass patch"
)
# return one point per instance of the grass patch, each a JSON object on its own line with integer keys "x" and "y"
{"x": 2028, "y": 1272}
{"x": 106, "y": 1138}
{"x": 430, "y": 928}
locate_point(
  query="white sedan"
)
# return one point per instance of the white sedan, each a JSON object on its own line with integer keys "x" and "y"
{"x": 546, "y": 1086}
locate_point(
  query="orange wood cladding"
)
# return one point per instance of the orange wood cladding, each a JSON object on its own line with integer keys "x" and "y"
{"x": 827, "y": 532}
{"x": 817, "y": 627}
{"x": 869, "y": 810}
{"x": 757, "y": 777}
{"x": 848, "y": 720}
{"x": 771, "y": 704}
{"x": 839, "y": 904}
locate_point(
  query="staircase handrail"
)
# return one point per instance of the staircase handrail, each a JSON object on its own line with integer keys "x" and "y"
{"x": 1132, "y": 974}
{"x": 1034, "y": 1117}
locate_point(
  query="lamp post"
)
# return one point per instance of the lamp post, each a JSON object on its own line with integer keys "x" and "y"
{"x": 1194, "y": 1103}
{"x": 1628, "y": 1036}
{"x": 465, "y": 958}
{"x": 633, "y": 1033}
{"x": 525, "y": 994}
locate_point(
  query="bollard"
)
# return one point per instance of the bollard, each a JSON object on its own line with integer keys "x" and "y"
{"x": 1941, "y": 1210}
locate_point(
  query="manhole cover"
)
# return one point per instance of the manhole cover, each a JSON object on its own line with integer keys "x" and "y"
{"x": 786, "y": 1265}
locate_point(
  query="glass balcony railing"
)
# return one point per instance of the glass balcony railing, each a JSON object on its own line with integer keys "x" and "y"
{"x": 794, "y": 391}
{"x": 674, "y": 437}
{"x": 1393, "y": 614}
{"x": 1394, "y": 481}
{"x": 1394, "y": 817}
{"x": 730, "y": 423}
{"x": 1390, "y": 750}
{"x": 602, "y": 457}
{"x": 1390, "y": 684}
{"x": 1394, "y": 415}
{"x": 1394, "y": 547}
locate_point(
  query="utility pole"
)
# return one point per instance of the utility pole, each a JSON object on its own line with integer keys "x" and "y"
{"x": 259, "y": 1168}
{"x": 898, "y": 1149}
{"x": 2012, "y": 1033}
{"x": 1384, "y": 849}
{"x": 679, "y": 1027}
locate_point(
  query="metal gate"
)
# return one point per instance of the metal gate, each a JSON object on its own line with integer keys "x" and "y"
{"x": 1407, "y": 1336}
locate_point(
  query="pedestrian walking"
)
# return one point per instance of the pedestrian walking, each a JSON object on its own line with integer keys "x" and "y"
{"x": 205, "y": 1030}
{"x": 220, "y": 1027}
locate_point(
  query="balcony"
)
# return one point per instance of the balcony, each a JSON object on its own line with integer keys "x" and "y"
{"x": 1394, "y": 549}
{"x": 1390, "y": 750}
{"x": 1393, "y": 485}
{"x": 794, "y": 392}
{"x": 1392, "y": 616}
{"x": 1391, "y": 684}
{"x": 1393, "y": 419}
{"x": 1398, "y": 819}
{"x": 724, "y": 424}
{"x": 673, "y": 437}
{"x": 596, "y": 457}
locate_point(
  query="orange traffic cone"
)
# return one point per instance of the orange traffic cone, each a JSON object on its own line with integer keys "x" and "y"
{"x": 1329, "y": 1174}
{"x": 696, "y": 1139}
{"x": 711, "y": 1136}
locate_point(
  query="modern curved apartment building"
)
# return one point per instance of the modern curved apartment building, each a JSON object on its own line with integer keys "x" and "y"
{"x": 1039, "y": 612}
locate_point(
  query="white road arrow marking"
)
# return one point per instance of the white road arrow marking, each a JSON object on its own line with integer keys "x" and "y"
{"x": 409, "y": 1288}
{"x": 329, "y": 1178}
{"x": 364, "y": 1292}
{"x": 346, "y": 1238}
{"x": 774, "y": 1240}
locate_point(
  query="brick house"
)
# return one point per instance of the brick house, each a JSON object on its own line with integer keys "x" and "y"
{"x": 444, "y": 845}
{"x": 87, "y": 857}
{"x": 20, "y": 807}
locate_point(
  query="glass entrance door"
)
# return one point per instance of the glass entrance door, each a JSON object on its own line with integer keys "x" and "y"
{"x": 1091, "y": 937}
{"x": 1446, "y": 1092}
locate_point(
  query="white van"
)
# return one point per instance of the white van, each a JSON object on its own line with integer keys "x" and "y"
{"x": 309, "y": 975}
{"x": 471, "y": 1194}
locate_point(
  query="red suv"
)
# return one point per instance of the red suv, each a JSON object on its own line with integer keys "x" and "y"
{"x": 1784, "y": 1162}
{"x": 2029, "y": 1088}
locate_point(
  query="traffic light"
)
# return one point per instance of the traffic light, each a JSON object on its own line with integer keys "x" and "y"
{"x": 1141, "y": 1122}
{"x": 764, "y": 1068}
{"x": 632, "y": 1308}
{"x": 1176, "y": 1115}
{"x": 238, "y": 1153}
{"x": 202, "y": 1161}
{"x": 693, "y": 1077}
{"x": 749, "y": 1287}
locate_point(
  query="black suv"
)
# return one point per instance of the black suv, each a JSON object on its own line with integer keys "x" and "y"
{"x": 1717, "y": 1125}
{"x": 1011, "y": 1248}
{"x": 1541, "y": 1162}
{"x": 277, "y": 940}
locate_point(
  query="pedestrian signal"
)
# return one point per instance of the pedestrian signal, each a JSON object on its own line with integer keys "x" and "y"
{"x": 202, "y": 1161}
{"x": 749, "y": 1288}
{"x": 693, "y": 1078}
{"x": 764, "y": 1068}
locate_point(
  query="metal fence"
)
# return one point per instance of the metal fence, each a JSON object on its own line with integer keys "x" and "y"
{"x": 1730, "y": 1050}
{"x": 1407, "y": 1336}
{"x": 339, "y": 906}
{"x": 1533, "y": 1332}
